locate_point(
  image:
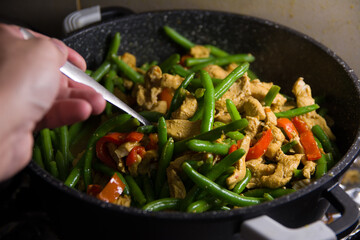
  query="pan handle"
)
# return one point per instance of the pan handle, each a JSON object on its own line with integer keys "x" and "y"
{"x": 265, "y": 228}
{"x": 84, "y": 17}
{"x": 349, "y": 210}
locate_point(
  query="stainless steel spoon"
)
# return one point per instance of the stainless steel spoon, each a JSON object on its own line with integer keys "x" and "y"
{"x": 78, "y": 75}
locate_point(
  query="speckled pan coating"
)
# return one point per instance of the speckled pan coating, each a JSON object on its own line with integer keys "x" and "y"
{"x": 282, "y": 55}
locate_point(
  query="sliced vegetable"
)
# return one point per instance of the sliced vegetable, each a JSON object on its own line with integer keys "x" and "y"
{"x": 112, "y": 190}
{"x": 297, "y": 111}
{"x": 137, "y": 151}
{"x": 288, "y": 127}
{"x": 260, "y": 146}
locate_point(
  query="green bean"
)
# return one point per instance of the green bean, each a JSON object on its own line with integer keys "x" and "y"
{"x": 74, "y": 130}
{"x": 298, "y": 173}
{"x": 164, "y": 192}
{"x": 114, "y": 45}
{"x": 212, "y": 135}
{"x": 240, "y": 186}
{"x": 151, "y": 116}
{"x": 234, "y": 113}
{"x": 64, "y": 146}
{"x": 179, "y": 94}
{"x": 53, "y": 169}
{"x": 100, "y": 72}
{"x": 108, "y": 171}
{"x": 219, "y": 124}
{"x": 296, "y": 111}
{"x": 235, "y": 135}
{"x": 54, "y": 138}
{"x": 207, "y": 146}
{"x": 162, "y": 133}
{"x": 119, "y": 83}
{"x": 46, "y": 147}
{"x": 146, "y": 66}
{"x": 268, "y": 197}
{"x": 189, "y": 198}
{"x": 323, "y": 138}
{"x": 221, "y": 61}
{"x": 37, "y": 157}
{"x": 178, "y": 38}
{"x": 286, "y": 147}
{"x": 109, "y": 85}
{"x": 88, "y": 72}
{"x": 206, "y": 167}
{"x": 216, "y": 51}
{"x": 194, "y": 61}
{"x": 225, "y": 84}
{"x": 168, "y": 63}
{"x": 135, "y": 190}
{"x": 220, "y": 167}
{"x": 251, "y": 75}
{"x": 127, "y": 70}
{"x": 321, "y": 167}
{"x": 259, "y": 192}
{"x": 180, "y": 70}
{"x": 318, "y": 143}
{"x": 162, "y": 204}
{"x": 209, "y": 102}
{"x": 99, "y": 132}
{"x": 165, "y": 158}
{"x": 270, "y": 96}
{"x": 61, "y": 165}
{"x": 195, "y": 163}
{"x": 330, "y": 160}
{"x": 199, "y": 206}
{"x": 222, "y": 208}
{"x": 129, "y": 125}
{"x": 216, "y": 190}
{"x": 147, "y": 129}
{"x": 199, "y": 93}
{"x": 73, "y": 177}
{"x": 148, "y": 189}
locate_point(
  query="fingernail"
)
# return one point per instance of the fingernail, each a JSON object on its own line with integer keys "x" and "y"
{"x": 60, "y": 45}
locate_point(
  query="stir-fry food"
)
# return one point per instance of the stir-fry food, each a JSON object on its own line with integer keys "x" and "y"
{"x": 220, "y": 137}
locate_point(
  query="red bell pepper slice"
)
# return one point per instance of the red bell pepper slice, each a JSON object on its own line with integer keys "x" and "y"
{"x": 307, "y": 139}
{"x": 132, "y": 157}
{"x": 112, "y": 190}
{"x": 300, "y": 125}
{"x": 312, "y": 150}
{"x": 233, "y": 148}
{"x": 288, "y": 127}
{"x": 260, "y": 146}
{"x": 134, "y": 137}
{"x": 102, "y": 151}
{"x": 166, "y": 95}
{"x": 93, "y": 189}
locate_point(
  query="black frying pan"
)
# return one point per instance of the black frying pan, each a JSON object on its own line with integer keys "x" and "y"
{"x": 282, "y": 55}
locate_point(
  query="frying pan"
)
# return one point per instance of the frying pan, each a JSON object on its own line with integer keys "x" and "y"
{"x": 282, "y": 55}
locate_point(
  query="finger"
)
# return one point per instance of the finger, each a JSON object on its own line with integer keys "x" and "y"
{"x": 95, "y": 99}
{"x": 65, "y": 112}
{"x": 76, "y": 59}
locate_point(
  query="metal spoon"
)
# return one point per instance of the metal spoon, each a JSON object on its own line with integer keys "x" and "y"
{"x": 78, "y": 75}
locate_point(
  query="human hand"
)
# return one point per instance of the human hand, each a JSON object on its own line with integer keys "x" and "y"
{"x": 34, "y": 93}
